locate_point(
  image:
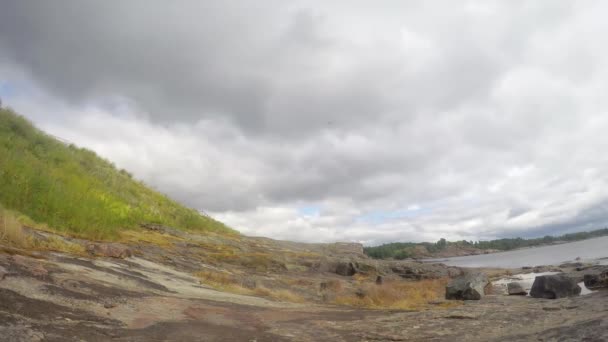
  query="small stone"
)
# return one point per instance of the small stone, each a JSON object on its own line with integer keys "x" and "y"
{"x": 515, "y": 289}
{"x": 109, "y": 305}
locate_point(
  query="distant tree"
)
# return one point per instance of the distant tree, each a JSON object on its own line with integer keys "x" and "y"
{"x": 442, "y": 243}
{"x": 402, "y": 250}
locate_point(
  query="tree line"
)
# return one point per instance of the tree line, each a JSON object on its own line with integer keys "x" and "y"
{"x": 404, "y": 250}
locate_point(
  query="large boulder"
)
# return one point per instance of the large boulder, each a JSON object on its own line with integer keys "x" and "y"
{"x": 515, "y": 289}
{"x": 554, "y": 286}
{"x": 346, "y": 268}
{"x": 467, "y": 287}
{"x": 112, "y": 250}
{"x": 596, "y": 281}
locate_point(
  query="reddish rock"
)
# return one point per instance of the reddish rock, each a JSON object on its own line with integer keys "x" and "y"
{"x": 112, "y": 250}
{"x": 31, "y": 266}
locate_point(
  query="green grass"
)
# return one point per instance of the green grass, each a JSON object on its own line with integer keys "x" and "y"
{"x": 73, "y": 190}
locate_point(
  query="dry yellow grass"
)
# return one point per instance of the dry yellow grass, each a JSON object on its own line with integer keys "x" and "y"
{"x": 212, "y": 277}
{"x": 13, "y": 234}
{"x": 58, "y": 245}
{"x": 227, "y": 282}
{"x": 404, "y": 295}
{"x": 282, "y": 295}
{"x": 155, "y": 238}
{"x": 11, "y": 230}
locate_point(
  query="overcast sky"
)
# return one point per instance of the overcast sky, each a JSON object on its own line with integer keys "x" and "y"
{"x": 370, "y": 121}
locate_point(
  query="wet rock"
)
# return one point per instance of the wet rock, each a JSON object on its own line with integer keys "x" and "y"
{"x": 595, "y": 281}
{"x": 515, "y": 289}
{"x": 112, "y": 250}
{"x": 554, "y": 286}
{"x": 467, "y": 287}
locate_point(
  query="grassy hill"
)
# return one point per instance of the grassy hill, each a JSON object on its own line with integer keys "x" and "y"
{"x": 73, "y": 190}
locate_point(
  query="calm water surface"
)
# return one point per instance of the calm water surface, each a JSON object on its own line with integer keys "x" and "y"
{"x": 587, "y": 250}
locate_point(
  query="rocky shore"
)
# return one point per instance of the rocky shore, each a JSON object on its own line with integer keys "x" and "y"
{"x": 146, "y": 292}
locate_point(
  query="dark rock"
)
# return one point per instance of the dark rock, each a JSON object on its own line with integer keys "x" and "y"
{"x": 109, "y": 305}
{"x": 112, "y": 250}
{"x": 346, "y": 268}
{"x": 515, "y": 289}
{"x": 467, "y": 287}
{"x": 379, "y": 280}
{"x": 595, "y": 281}
{"x": 554, "y": 286}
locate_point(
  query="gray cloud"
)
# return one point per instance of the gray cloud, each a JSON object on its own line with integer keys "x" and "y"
{"x": 335, "y": 120}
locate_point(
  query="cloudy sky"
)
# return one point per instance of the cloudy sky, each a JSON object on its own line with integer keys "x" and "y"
{"x": 332, "y": 120}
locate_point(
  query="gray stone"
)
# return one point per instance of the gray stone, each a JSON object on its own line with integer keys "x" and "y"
{"x": 515, "y": 289}
{"x": 467, "y": 287}
{"x": 554, "y": 286}
{"x": 596, "y": 281}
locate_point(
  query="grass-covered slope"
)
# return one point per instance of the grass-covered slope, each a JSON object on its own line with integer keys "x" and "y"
{"x": 73, "y": 190}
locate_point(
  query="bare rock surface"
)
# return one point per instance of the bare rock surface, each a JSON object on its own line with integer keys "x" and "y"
{"x": 156, "y": 297}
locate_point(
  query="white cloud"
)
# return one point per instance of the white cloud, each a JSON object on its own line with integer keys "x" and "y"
{"x": 335, "y": 121}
